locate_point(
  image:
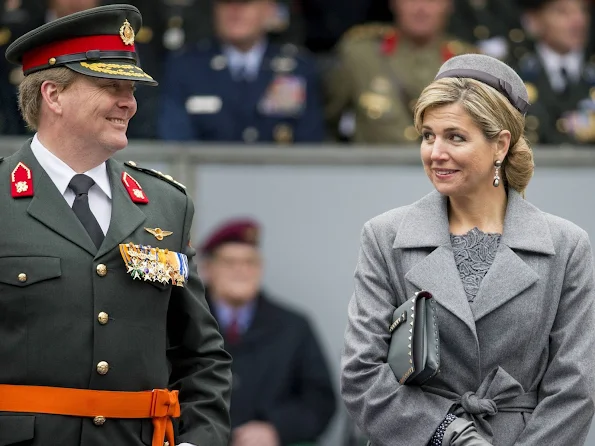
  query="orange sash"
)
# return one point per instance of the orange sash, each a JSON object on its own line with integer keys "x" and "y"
{"x": 160, "y": 405}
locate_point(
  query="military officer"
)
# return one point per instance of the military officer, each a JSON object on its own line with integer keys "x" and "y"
{"x": 106, "y": 333}
{"x": 240, "y": 87}
{"x": 382, "y": 69}
{"x": 282, "y": 392}
{"x": 559, "y": 73}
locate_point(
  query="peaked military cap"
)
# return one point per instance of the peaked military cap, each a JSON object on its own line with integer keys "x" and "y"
{"x": 97, "y": 42}
{"x": 242, "y": 230}
{"x": 490, "y": 71}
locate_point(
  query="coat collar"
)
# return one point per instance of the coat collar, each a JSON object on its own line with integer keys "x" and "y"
{"x": 426, "y": 225}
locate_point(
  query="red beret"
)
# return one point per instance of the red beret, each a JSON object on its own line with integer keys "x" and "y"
{"x": 232, "y": 231}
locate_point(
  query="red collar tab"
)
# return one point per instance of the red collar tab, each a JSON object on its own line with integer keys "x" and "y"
{"x": 136, "y": 192}
{"x": 390, "y": 42}
{"x": 44, "y": 55}
{"x": 21, "y": 181}
{"x": 447, "y": 53}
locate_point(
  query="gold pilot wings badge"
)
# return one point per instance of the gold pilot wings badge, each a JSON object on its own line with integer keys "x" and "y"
{"x": 155, "y": 264}
{"x": 158, "y": 233}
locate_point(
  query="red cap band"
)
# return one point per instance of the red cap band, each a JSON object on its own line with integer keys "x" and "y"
{"x": 41, "y": 56}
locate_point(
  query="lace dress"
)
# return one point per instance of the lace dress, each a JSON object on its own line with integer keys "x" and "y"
{"x": 474, "y": 254}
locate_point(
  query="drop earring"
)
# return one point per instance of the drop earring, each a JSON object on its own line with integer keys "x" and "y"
{"x": 497, "y": 165}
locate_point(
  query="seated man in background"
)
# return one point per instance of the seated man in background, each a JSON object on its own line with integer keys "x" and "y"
{"x": 282, "y": 392}
{"x": 559, "y": 72}
{"x": 382, "y": 69}
{"x": 240, "y": 87}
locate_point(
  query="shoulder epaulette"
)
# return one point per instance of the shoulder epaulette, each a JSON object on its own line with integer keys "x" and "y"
{"x": 367, "y": 31}
{"x": 156, "y": 173}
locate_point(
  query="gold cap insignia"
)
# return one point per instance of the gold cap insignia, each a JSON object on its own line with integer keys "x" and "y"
{"x": 127, "y": 33}
{"x": 158, "y": 233}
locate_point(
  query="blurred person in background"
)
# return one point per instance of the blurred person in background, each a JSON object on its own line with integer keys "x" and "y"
{"x": 382, "y": 69}
{"x": 239, "y": 87}
{"x": 282, "y": 392}
{"x": 559, "y": 73}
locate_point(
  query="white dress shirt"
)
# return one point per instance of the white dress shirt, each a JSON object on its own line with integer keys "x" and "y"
{"x": 249, "y": 61}
{"x": 553, "y": 62}
{"x": 100, "y": 194}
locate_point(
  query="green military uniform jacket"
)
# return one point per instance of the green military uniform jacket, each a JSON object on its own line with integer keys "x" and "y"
{"x": 54, "y": 284}
{"x": 379, "y": 76}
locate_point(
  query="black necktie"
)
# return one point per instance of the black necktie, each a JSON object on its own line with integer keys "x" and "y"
{"x": 80, "y": 185}
{"x": 567, "y": 80}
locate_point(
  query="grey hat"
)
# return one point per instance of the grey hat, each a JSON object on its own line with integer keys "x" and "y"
{"x": 491, "y": 72}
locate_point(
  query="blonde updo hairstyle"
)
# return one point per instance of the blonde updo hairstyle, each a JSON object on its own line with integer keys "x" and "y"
{"x": 492, "y": 113}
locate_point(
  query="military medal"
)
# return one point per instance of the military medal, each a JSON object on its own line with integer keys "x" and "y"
{"x": 151, "y": 264}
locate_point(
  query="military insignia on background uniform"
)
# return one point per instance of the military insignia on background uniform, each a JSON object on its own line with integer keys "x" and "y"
{"x": 219, "y": 62}
{"x": 532, "y": 92}
{"x": 155, "y": 264}
{"x": 286, "y": 95}
{"x": 374, "y": 104}
{"x": 127, "y": 33}
{"x": 174, "y": 36}
{"x": 158, "y": 233}
{"x": 5, "y": 35}
{"x": 580, "y": 124}
{"x": 380, "y": 85}
{"x": 134, "y": 189}
{"x": 283, "y": 133}
{"x": 283, "y": 64}
{"x": 197, "y": 105}
{"x": 21, "y": 181}
{"x": 145, "y": 35}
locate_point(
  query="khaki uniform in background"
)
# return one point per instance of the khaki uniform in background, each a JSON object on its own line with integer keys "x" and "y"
{"x": 378, "y": 77}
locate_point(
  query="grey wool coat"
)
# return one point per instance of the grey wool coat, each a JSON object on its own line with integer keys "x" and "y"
{"x": 519, "y": 360}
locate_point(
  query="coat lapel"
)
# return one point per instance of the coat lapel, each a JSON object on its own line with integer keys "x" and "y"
{"x": 48, "y": 206}
{"x": 526, "y": 230}
{"x": 126, "y": 215}
{"x": 426, "y": 226}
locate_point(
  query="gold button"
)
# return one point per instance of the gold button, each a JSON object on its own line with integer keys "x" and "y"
{"x": 103, "y": 318}
{"x": 102, "y": 368}
{"x": 52, "y": 61}
{"x": 101, "y": 270}
{"x": 99, "y": 421}
{"x": 132, "y": 163}
{"x": 22, "y": 277}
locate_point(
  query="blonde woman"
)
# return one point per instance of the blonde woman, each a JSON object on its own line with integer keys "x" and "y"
{"x": 514, "y": 286}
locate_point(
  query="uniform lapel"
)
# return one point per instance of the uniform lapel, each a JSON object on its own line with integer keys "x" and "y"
{"x": 526, "y": 230}
{"x": 126, "y": 215}
{"x": 426, "y": 226}
{"x": 48, "y": 205}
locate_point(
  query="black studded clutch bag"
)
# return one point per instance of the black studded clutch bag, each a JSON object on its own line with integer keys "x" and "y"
{"x": 414, "y": 351}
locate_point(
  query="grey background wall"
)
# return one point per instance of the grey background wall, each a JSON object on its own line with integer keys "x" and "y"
{"x": 313, "y": 203}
